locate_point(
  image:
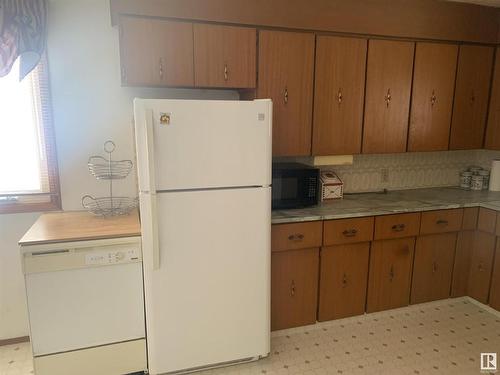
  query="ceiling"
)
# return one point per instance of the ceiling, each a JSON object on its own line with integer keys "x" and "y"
{"x": 491, "y": 3}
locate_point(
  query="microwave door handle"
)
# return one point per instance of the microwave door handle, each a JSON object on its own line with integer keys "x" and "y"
{"x": 153, "y": 212}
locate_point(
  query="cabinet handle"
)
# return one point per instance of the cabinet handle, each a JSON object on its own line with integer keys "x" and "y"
{"x": 442, "y": 222}
{"x": 433, "y": 98}
{"x": 350, "y": 232}
{"x": 398, "y": 227}
{"x": 285, "y": 96}
{"x": 161, "y": 68}
{"x": 480, "y": 267}
{"x": 472, "y": 98}
{"x": 344, "y": 281}
{"x": 391, "y": 274}
{"x": 388, "y": 98}
{"x": 292, "y": 288}
{"x": 296, "y": 237}
{"x": 226, "y": 73}
{"x": 340, "y": 96}
{"x": 434, "y": 267}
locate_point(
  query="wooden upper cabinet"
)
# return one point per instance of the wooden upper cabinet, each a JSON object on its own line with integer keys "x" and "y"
{"x": 156, "y": 52}
{"x": 286, "y": 64}
{"x": 224, "y": 56}
{"x": 432, "y": 96}
{"x": 492, "y": 140}
{"x": 387, "y": 102}
{"x": 471, "y": 97}
{"x": 339, "y": 95}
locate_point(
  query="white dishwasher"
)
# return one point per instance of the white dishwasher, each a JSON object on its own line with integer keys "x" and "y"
{"x": 86, "y": 306}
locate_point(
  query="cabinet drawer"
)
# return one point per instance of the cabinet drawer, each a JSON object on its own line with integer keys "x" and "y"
{"x": 487, "y": 220}
{"x": 397, "y": 226}
{"x": 338, "y": 232}
{"x": 470, "y": 218}
{"x": 296, "y": 236}
{"x": 441, "y": 221}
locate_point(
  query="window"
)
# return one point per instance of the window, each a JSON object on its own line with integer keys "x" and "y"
{"x": 28, "y": 164}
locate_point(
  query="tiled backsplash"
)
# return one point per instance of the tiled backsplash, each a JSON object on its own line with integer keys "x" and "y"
{"x": 409, "y": 170}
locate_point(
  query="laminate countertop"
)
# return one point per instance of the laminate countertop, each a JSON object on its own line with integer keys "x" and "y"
{"x": 80, "y": 226}
{"x": 392, "y": 202}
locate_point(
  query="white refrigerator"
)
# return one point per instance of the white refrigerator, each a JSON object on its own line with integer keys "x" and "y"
{"x": 204, "y": 171}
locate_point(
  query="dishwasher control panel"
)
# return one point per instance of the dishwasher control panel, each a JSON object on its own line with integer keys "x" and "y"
{"x": 113, "y": 256}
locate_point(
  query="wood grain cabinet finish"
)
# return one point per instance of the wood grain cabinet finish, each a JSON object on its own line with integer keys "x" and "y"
{"x": 492, "y": 139}
{"x": 481, "y": 266}
{"x": 471, "y": 97}
{"x": 286, "y": 65}
{"x": 461, "y": 265}
{"x": 225, "y": 56}
{"x": 156, "y": 52}
{"x": 487, "y": 220}
{"x": 433, "y": 267}
{"x": 432, "y": 96}
{"x": 470, "y": 218}
{"x": 387, "y": 101}
{"x": 294, "y": 288}
{"x": 441, "y": 221}
{"x": 390, "y": 274}
{"x": 343, "y": 281}
{"x": 296, "y": 235}
{"x": 397, "y": 226}
{"x": 495, "y": 280}
{"x": 339, "y": 95}
{"x": 344, "y": 231}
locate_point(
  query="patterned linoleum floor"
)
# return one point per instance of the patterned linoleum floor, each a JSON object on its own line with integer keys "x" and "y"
{"x": 444, "y": 337}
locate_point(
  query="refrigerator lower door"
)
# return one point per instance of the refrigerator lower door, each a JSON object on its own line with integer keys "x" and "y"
{"x": 209, "y": 301}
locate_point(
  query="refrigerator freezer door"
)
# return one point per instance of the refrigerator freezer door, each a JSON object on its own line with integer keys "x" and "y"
{"x": 209, "y": 301}
{"x": 203, "y": 143}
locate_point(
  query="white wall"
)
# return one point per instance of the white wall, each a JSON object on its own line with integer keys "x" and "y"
{"x": 89, "y": 107}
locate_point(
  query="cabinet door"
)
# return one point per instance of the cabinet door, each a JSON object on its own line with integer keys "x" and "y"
{"x": 492, "y": 140}
{"x": 224, "y": 56}
{"x": 286, "y": 62}
{"x": 481, "y": 266}
{"x": 156, "y": 52}
{"x": 495, "y": 281}
{"x": 390, "y": 274}
{"x": 433, "y": 267}
{"x": 339, "y": 95}
{"x": 471, "y": 97}
{"x": 294, "y": 288}
{"x": 343, "y": 277}
{"x": 461, "y": 267}
{"x": 387, "y": 103}
{"x": 432, "y": 96}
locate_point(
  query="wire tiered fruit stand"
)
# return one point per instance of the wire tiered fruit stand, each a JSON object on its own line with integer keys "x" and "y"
{"x": 109, "y": 170}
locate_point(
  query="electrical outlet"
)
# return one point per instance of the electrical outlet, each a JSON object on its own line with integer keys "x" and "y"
{"x": 384, "y": 175}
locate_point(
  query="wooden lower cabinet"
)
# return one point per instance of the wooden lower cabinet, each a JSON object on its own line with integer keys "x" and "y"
{"x": 294, "y": 288}
{"x": 433, "y": 267}
{"x": 465, "y": 245}
{"x": 495, "y": 280}
{"x": 343, "y": 280}
{"x": 390, "y": 274}
{"x": 481, "y": 266}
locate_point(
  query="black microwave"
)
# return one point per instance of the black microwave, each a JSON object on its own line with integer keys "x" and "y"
{"x": 294, "y": 185}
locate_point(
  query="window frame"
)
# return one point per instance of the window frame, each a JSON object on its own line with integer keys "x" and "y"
{"x": 46, "y": 125}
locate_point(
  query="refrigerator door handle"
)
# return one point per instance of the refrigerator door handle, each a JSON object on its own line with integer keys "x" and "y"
{"x": 155, "y": 241}
{"x": 150, "y": 155}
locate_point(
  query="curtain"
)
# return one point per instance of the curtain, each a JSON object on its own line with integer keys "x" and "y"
{"x": 23, "y": 34}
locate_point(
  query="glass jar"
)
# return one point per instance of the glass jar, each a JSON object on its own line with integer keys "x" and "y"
{"x": 476, "y": 183}
{"x": 486, "y": 178}
{"x": 465, "y": 180}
